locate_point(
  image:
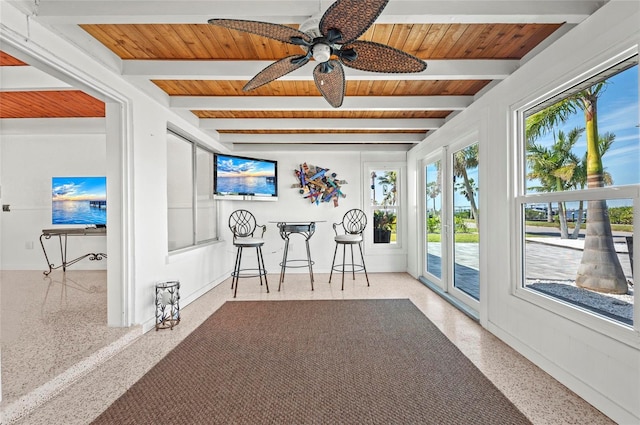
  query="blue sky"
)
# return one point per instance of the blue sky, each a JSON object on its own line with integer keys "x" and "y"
{"x": 240, "y": 167}
{"x": 79, "y": 188}
{"x": 618, "y": 114}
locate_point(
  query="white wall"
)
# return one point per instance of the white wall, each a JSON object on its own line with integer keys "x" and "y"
{"x": 27, "y": 187}
{"x": 291, "y": 206}
{"x": 602, "y": 369}
{"x": 142, "y": 164}
{"x": 28, "y": 164}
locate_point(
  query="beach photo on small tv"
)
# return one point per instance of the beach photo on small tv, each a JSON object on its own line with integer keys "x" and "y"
{"x": 79, "y": 200}
{"x": 245, "y": 176}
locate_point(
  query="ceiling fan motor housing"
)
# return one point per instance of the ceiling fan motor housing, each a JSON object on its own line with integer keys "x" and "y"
{"x": 321, "y": 52}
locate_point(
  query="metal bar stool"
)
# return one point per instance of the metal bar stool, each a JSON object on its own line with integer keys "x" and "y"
{"x": 243, "y": 225}
{"x": 353, "y": 224}
{"x": 307, "y": 230}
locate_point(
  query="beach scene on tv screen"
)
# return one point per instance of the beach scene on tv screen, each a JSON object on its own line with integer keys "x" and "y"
{"x": 79, "y": 200}
{"x": 245, "y": 176}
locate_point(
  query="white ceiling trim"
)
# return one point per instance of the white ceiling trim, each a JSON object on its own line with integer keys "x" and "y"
{"x": 332, "y": 138}
{"x": 459, "y": 69}
{"x": 317, "y": 103}
{"x": 296, "y": 11}
{"x": 320, "y": 124}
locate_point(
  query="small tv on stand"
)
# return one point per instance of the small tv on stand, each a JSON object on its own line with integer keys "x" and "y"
{"x": 245, "y": 178}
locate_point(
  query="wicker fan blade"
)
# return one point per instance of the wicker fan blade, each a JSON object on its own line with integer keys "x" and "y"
{"x": 378, "y": 57}
{"x": 351, "y": 17}
{"x": 276, "y": 70}
{"x": 331, "y": 84}
{"x": 265, "y": 29}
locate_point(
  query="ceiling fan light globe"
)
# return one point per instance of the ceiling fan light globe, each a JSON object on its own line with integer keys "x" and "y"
{"x": 321, "y": 52}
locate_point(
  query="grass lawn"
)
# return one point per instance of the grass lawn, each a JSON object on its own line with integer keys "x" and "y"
{"x": 459, "y": 237}
{"x": 475, "y": 237}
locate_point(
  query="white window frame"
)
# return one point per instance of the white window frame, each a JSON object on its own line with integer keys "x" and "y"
{"x": 401, "y": 168}
{"x": 195, "y": 196}
{"x": 601, "y": 324}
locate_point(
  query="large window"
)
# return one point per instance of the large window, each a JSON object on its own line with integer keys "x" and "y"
{"x": 191, "y": 210}
{"x": 578, "y": 194}
{"x": 384, "y": 204}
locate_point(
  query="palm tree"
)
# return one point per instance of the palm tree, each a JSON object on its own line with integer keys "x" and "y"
{"x": 388, "y": 181}
{"x": 579, "y": 178}
{"x": 600, "y": 268}
{"x": 555, "y": 167}
{"x": 462, "y": 189}
{"x": 433, "y": 190}
{"x": 463, "y": 160}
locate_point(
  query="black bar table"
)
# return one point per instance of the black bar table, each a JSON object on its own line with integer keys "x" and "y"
{"x": 304, "y": 228}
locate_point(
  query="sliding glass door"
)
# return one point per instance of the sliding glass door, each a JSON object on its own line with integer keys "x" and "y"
{"x": 464, "y": 214}
{"x": 451, "y": 216}
{"x": 433, "y": 220}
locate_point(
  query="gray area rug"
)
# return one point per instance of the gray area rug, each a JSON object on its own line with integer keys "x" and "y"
{"x": 314, "y": 362}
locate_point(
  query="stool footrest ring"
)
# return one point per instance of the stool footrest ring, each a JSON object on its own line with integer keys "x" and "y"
{"x": 242, "y": 273}
{"x": 306, "y": 263}
{"x": 348, "y": 267}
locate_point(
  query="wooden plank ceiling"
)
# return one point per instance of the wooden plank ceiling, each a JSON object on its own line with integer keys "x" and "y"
{"x": 46, "y": 103}
{"x": 50, "y": 104}
{"x": 167, "y": 49}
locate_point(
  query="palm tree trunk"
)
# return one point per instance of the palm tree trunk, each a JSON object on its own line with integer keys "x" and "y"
{"x": 472, "y": 201}
{"x": 562, "y": 215}
{"x": 549, "y": 213}
{"x": 578, "y": 222}
{"x": 600, "y": 268}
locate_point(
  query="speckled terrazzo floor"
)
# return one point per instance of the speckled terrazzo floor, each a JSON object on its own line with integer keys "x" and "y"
{"x": 53, "y": 329}
{"x": 541, "y": 398}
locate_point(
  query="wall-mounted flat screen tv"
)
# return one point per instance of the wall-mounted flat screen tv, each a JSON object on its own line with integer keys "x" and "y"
{"x": 79, "y": 200}
{"x": 249, "y": 178}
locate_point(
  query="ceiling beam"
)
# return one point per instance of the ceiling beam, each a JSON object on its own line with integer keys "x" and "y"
{"x": 320, "y": 124}
{"x": 296, "y": 11}
{"x": 23, "y": 78}
{"x": 391, "y": 138}
{"x": 52, "y": 126}
{"x": 437, "y": 69}
{"x": 317, "y": 103}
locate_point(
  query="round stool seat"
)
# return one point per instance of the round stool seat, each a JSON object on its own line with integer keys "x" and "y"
{"x": 248, "y": 242}
{"x": 348, "y": 238}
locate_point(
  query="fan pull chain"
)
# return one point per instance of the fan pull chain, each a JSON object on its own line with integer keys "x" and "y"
{"x": 34, "y": 12}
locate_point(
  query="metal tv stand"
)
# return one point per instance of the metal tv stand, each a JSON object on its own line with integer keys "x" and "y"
{"x": 63, "y": 234}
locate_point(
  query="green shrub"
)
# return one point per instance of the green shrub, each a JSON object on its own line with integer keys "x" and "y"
{"x": 433, "y": 224}
{"x": 461, "y": 225}
{"x": 535, "y": 215}
{"x": 621, "y": 215}
{"x": 384, "y": 219}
